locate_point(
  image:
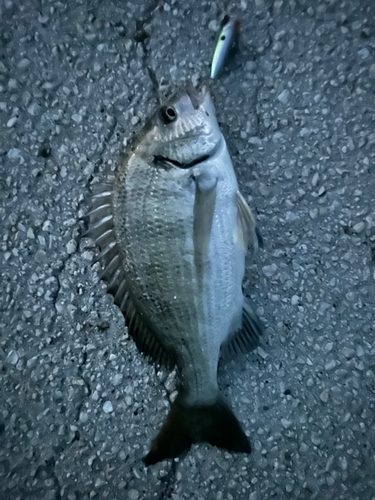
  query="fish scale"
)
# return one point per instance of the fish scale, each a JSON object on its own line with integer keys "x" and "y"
{"x": 173, "y": 230}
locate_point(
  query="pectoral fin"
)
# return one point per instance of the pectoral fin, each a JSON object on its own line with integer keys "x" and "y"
{"x": 245, "y": 232}
{"x": 204, "y": 207}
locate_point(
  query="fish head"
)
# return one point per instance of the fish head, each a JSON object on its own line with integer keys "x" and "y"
{"x": 185, "y": 130}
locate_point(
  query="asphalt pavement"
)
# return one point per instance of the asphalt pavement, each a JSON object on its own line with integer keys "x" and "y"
{"x": 78, "y": 404}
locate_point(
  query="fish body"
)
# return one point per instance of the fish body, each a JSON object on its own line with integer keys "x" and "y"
{"x": 225, "y": 45}
{"x": 173, "y": 230}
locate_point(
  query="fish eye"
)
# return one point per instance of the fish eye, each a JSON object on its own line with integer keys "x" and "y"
{"x": 167, "y": 114}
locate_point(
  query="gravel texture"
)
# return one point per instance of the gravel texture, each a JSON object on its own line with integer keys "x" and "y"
{"x": 78, "y": 404}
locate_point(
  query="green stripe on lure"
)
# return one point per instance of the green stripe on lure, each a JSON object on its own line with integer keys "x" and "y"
{"x": 226, "y": 42}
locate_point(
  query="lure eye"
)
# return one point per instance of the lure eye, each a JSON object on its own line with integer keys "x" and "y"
{"x": 167, "y": 114}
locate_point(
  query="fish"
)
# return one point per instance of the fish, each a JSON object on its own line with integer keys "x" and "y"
{"x": 173, "y": 230}
{"x": 226, "y": 44}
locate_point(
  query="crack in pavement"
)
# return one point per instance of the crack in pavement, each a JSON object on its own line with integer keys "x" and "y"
{"x": 47, "y": 470}
{"x": 141, "y": 36}
{"x": 86, "y": 383}
{"x": 168, "y": 482}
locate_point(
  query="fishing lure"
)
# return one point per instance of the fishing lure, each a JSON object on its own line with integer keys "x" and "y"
{"x": 225, "y": 45}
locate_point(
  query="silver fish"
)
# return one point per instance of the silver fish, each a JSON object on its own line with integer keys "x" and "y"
{"x": 226, "y": 43}
{"x": 173, "y": 230}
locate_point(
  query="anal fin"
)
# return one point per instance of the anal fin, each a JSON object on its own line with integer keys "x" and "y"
{"x": 247, "y": 338}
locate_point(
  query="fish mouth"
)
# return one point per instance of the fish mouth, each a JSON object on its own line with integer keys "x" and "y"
{"x": 169, "y": 162}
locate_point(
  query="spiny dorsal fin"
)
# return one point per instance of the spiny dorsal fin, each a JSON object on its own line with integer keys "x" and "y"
{"x": 102, "y": 231}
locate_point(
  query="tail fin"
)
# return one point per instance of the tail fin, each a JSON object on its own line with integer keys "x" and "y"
{"x": 215, "y": 424}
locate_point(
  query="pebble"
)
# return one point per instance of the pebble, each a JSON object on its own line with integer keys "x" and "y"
{"x": 24, "y": 63}
{"x": 288, "y": 173}
{"x": 360, "y": 351}
{"x": 283, "y": 97}
{"x": 315, "y": 179}
{"x": 343, "y": 463}
{"x": 278, "y": 136}
{"x": 214, "y": 25}
{"x": 14, "y": 154}
{"x": 12, "y": 357}
{"x": 295, "y": 300}
{"x": 34, "y": 109}
{"x": 87, "y": 255}
{"x": 304, "y": 447}
{"x": 255, "y": 141}
{"x": 83, "y": 417}
{"x": 262, "y": 353}
{"x": 108, "y": 407}
{"x": 264, "y": 191}
{"x": 291, "y": 216}
{"x": 330, "y": 481}
{"x": 328, "y": 347}
{"x": 251, "y": 66}
{"x": 304, "y": 132}
{"x": 356, "y": 25}
{"x": 315, "y": 438}
{"x": 117, "y": 379}
{"x": 133, "y": 494}
{"x": 12, "y": 121}
{"x": 41, "y": 240}
{"x": 330, "y": 365}
{"x": 359, "y": 227}
{"x": 77, "y": 118}
{"x": 363, "y": 53}
{"x": 47, "y": 226}
{"x": 366, "y": 32}
{"x": 71, "y": 246}
{"x": 269, "y": 270}
{"x": 40, "y": 256}
{"x": 286, "y": 423}
{"x": 32, "y": 362}
{"x": 12, "y": 84}
{"x": 348, "y": 352}
{"x": 43, "y": 19}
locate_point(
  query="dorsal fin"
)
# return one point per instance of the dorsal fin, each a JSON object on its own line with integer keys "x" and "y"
{"x": 102, "y": 231}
